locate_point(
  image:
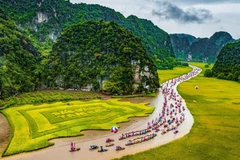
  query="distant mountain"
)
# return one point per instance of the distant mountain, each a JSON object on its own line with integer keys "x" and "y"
{"x": 227, "y": 65}
{"x": 107, "y": 58}
{"x": 197, "y": 49}
{"x": 18, "y": 60}
{"x": 181, "y": 44}
{"x": 187, "y": 47}
{"x": 43, "y": 21}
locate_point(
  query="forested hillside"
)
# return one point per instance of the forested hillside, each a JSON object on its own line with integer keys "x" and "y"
{"x": 43, "y": 21}
{"x": 227, "y": 65}
{"x": 18, "y": 60}
{"x": 187, "y": 47}
{"x": 101, "y": 56}
{"x": 155, "y": 40}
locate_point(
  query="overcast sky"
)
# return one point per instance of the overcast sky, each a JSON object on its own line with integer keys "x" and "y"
{"x": 201, "y": 18}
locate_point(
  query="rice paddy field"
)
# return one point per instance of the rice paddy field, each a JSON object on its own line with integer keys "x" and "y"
{"x": 216, "y": 131}
{"x": 165, "y": 75}
{"x": 33, "y": 125}
{"x": 39, "y": 97}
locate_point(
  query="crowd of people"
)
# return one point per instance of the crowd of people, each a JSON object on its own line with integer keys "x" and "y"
{"x": 172, "y": 114}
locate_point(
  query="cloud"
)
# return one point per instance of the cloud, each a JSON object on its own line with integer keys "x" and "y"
{"x": 204, "y": 1}
{"x": 168, "y": 11}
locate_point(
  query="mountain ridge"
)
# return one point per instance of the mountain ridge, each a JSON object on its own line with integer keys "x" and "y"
{"x": 189, "y": 48}
{"x": 43, "y": 21}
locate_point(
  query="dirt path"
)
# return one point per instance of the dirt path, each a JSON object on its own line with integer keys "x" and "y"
{"x": 4, "y": 133}
{"x": 60, "y": 150}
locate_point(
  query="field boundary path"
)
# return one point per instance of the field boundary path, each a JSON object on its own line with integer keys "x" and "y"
{"x": 167, "y": 96}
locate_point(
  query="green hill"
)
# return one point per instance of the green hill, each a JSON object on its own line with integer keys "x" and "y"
{"x": 18, "y": 60}
{"x": 227, "y": 65}
{"x": 43, "y": 21}
{"x": 101, "y": 56}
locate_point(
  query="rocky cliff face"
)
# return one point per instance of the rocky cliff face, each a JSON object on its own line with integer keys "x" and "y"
{"x": 187, "y": 47}
{"x": 181, "y": 44}
{"x": 41, "y": 17}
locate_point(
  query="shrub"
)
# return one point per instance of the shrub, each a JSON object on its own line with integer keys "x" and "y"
{"x": 221, "y": 76}
{"x": 183, "y": 64}
{"x": 235, "y": 75}
{"x": 229, "y": 76}
{"x": 239, "y": 78}
{"x": 208, "y": 73}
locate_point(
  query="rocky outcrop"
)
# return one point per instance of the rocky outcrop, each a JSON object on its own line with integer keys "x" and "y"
{"x": 41, "y": 17}
{"x": 181, "y": 44}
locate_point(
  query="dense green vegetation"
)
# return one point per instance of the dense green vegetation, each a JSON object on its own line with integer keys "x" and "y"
{"x": 103, "y": 55}
{"x": 35, "y": 125}
{"x": 215, "y": 133}
{"x": 18, "y": 60}
{"x": 227, "y": 65}
{"x": 155, "y": 40}
{"x": 109, "y": 54}
{"x": 190, "y": 48}
{"x": 43, "y": 21}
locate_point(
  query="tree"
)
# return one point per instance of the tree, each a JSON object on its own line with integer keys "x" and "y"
{"x": 229, "y": 76}
{"x": 221, "y": 76}
{"x": 208, "y": 73}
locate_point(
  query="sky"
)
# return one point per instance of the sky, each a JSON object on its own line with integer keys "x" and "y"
{"x": 200, "y": 18}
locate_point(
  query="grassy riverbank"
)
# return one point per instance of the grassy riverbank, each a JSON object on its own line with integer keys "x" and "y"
{"x": 215, "y": 134}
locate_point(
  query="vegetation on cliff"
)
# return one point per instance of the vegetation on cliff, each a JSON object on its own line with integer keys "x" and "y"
{"x": 181, "y": 43}
{"x": 227, "y": 65}
{"x": 101, "y": 56}
{"x": 18, "y": 60}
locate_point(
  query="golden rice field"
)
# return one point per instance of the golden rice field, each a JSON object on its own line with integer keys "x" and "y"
{"x": 34, "y": 125}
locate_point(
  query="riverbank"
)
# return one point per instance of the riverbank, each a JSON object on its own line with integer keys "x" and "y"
{"x": 5, "y": 132}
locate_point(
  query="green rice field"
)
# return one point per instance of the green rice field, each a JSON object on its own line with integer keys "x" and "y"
{"x": 39, "y": 97}
{"x": 34, "y": 125}
{"x": 216, "y": 131}
{"x": 165, "y": 75}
